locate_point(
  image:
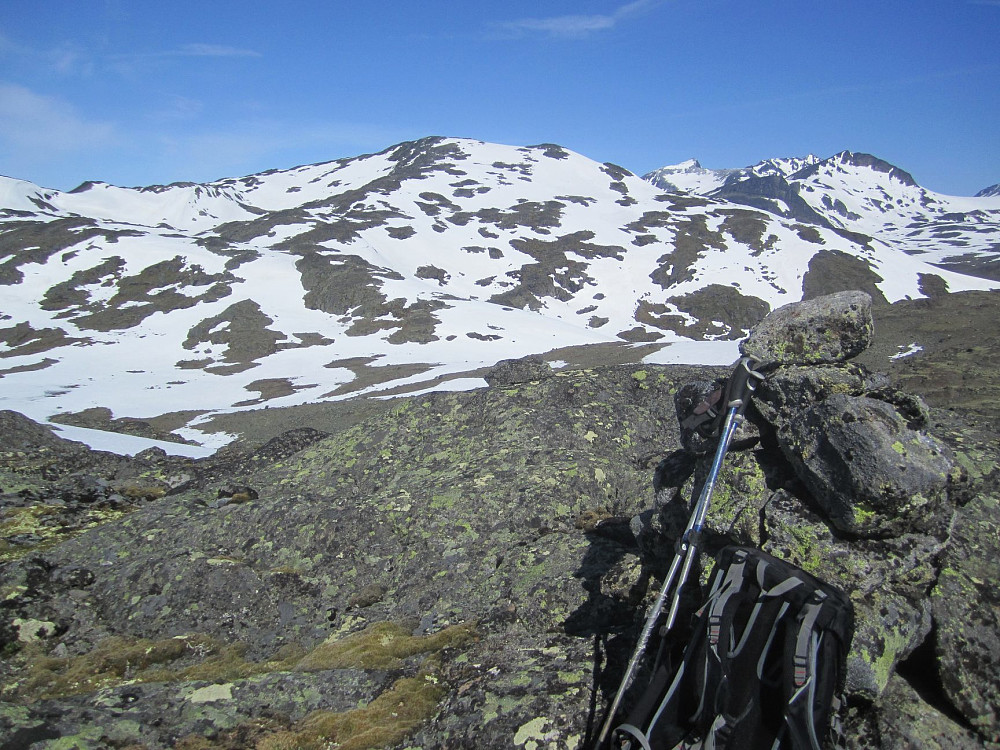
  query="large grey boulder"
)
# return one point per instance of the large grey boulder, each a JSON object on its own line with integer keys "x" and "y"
{"x": 510, "y": 372}
{"x": 826, "y": 329}
{"x": 871, "y": 473}
{"x": 966, "y": 607}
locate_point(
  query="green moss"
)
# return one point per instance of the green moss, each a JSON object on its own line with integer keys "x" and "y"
{"x": 381, "y": 646}
{"x": 142, "y": 492}
{"x": 384, "y": 722}
{"x": 119, "y": 660}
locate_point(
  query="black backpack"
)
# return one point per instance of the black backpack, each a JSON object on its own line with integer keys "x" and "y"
{"x": 763, "y": 668}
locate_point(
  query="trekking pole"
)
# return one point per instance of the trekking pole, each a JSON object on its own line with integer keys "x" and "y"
{"x": 741, "y": 385}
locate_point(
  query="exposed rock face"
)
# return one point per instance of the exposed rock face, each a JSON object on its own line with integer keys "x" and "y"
{"x": 458, "y": 571}
{"x": 848, "y": 483}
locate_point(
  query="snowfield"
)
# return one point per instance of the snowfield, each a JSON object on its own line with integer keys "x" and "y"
{"x": 418, "y": 266}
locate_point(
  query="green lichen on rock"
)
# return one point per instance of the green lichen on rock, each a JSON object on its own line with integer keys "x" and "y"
{"x": 826, "y": 329}
{"x": 342, "y": 585}
{"x": 967, "y": 612}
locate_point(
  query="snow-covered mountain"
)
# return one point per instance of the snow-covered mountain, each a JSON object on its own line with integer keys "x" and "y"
{"x": 417, "y": 266}
{"x": 690, "y": 176}
{"x": 861, "y": 193}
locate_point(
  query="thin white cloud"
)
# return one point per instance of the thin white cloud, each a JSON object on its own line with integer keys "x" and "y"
{"x": 188, "y": 50}
{"x": 44, "y": 124}
{"x": 8, "y": 45}
{"x": 174, "y": 107}
{"x": 213, "y": 50}
{"x": 579, "y": 25}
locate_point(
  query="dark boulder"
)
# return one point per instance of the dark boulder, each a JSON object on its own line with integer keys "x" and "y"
{"x": 966, "y": 606}
{"x": 871, "y": 474}
{"x": 510, "y": 372}
{"x": 827, "y": 329}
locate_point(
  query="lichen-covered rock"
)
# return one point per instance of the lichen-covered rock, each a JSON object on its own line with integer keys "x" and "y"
{"x": 740, "y": 494}
{"x": 784, "y": 393}
{"x": 887, "y": 580}
{"x": 509, "y": 372}
{"x": 906, "y": 721}
{"x": 132, "y": 714}
{"x": 827, "y": 329}
{"x": 457, "y": 569}
{"x": 457, "y": 508}
{"x": 870, "y": 472}
{"x": 967, "y": 612}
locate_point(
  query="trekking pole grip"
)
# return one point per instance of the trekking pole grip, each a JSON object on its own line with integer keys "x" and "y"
{"x": 742, "y": 383}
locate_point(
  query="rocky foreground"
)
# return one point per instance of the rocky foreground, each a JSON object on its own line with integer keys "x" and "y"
{"x": 470, "y": 569}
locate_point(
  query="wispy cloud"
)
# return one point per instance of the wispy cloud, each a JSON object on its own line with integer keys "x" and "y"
{"x": 133, "y": 65}
{"x": 212, "y": 50}
{"x": 71, "y": 59}
{"x": 189, "y": 50}
{"x": 34, "y": 122}
{"x": 579, "y": 25}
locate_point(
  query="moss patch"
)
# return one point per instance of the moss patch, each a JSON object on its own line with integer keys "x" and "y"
{"x": 388, "y": 719}
{"x": 120, "y": 660}
{"x": 381, "y": 646}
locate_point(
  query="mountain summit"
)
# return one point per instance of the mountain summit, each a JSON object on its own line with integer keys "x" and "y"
{"x": 430, "y": 260}
{"x": 860, "y": 193}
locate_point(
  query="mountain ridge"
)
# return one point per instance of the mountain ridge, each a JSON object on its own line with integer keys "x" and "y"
{"x": 418, "y": 266}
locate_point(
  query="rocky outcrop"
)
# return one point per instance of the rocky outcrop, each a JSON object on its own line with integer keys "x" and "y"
{"x": 460, "y": 569}
{"x": 843, "y": 477}
{"x": 831, "y": 328}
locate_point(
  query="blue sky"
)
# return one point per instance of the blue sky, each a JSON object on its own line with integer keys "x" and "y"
{"x": 135, "y": 92}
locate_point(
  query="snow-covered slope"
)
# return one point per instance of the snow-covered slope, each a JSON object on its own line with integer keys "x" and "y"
{"x": 690, "y": 176}
{"x": 861, "y": 193}
{"x": 405, "y": 268}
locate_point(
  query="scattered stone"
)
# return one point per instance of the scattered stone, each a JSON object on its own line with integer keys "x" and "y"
{"x": 234, "y": 493}
{"x": 83, "y": 488}
{"x": 30, "y": 631}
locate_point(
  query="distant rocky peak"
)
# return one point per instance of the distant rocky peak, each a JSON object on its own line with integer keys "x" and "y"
{"x": 862, "y": 160}
{"x": 992, "y": 191}
{"x": 688, "y": 165}
{"x": 784, "y": 167}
